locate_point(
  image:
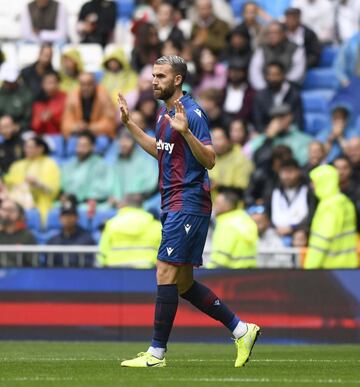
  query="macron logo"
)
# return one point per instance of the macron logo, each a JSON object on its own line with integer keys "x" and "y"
{"x": 169, "y": 250}
{"x": 216, "y": 302}
{"x": 166, "y": 146}
{"x": 187, "y": 228}
{"x": 198, "y": 112}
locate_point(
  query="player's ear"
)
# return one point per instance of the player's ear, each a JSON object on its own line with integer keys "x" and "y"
{"x": 178, "y": 80}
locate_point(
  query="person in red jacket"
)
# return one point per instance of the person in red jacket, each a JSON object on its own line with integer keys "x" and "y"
{"x": 48, "y": 108}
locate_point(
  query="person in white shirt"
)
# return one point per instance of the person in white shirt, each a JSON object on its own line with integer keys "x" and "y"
{"x": 347, "y": 19}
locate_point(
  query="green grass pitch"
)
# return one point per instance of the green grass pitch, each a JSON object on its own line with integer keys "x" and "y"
{"x": 88, "y": 364}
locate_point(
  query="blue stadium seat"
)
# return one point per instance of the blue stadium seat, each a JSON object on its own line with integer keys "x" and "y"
{"x": 102, "y": 144}
{"x": 125, "y": 9}
{"x": 317, "y": 101}
{"x": 70, "y": 149}
{"x": 315, "y": 122}
{"x": 320, "y": 78}
{"x": 101, "y": 217}
{"x": 57, "y": 145}
{"x": 33, "y": 220}
{"x": 42, "y": 237}
{"x": 153, "y": 205}
{"x": 328, "y": 55}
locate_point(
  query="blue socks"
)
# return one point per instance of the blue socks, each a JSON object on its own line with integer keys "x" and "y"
{"x": 166, "y": 306}
{"x": 206, "y": 301}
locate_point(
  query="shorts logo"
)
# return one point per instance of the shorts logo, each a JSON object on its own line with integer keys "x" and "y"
{"x": 169, "y": 250}
{"x": 166, "y": 146}
{"x": 198, "y": 112}
{"x": 187, "y": 228}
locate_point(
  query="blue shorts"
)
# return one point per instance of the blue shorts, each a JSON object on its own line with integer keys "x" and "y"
{"x": 183, "y": 238}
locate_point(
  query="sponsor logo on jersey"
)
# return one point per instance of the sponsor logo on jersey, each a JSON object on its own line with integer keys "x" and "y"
{"x": 166, "y": 146}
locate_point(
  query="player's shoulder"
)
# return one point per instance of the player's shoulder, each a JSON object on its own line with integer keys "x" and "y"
{"x": 193, "y": 110}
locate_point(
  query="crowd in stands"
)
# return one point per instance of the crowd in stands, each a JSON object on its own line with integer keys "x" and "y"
{"x": 279, "y": 81}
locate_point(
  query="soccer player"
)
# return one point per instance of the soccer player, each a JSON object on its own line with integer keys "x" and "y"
{"x": 184, "y": 152}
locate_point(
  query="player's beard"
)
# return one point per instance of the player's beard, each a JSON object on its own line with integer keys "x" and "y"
{"x": 164, "y": 94}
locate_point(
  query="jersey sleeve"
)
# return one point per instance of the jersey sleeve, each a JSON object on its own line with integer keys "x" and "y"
{"x": 199, "y": 126}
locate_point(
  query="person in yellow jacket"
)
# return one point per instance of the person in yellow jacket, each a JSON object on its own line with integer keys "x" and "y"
{"x": 35, "y": 180}
{"x": 234, "y": 243}
{"x": 70, "y": 69}
{"x": 131, "y": 238}
{"x": 119, "y": 76}
{"x": 333, "y": 238}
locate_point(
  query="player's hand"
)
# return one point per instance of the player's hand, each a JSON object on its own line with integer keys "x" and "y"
{"x": 179, "y": 122}
{"x": 124, "y": 110}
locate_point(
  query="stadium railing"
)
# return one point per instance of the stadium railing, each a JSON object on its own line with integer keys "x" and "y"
{"x": 43, "y": 256}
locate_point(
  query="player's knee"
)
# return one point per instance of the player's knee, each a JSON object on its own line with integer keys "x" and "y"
{"x": 184, "y": 285}
{"x": 166, "y": 274}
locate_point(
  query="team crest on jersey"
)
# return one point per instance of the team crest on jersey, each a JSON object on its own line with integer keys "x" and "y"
{"x": 198, "y": 112}
{"x": 166, "y": 146}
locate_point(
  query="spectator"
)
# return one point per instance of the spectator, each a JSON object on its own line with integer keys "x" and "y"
{"x": 211, "y": 74}
{"x": 232, "y": 168}
{"x": 277, "y": 48}
{"x": 15, "y": 97}
{"x": 71, "y": 234}
{"x": 353, "y": 152}
{"x": 148, "y": 106}
{"x": 44, "y": 21}
{"x": 333, "y": 239}
{"x": 146, "y": 46}
{"x": 166, "y": 26}
{"x": 89, "y": 108}
{"x": 209, "y": 31}
{"x": 33, "y": 74}
{"x": 11, "y": 148}
{"x": 238, "y": 45}
{"x": 13, "y": 231}
{"x": 317, "y": 156}
{"x": 71, "y": 67}
{"x": 278, "y": 91}
{"x": 131, "y": 238}
{"x": 281, "y": 131}
{"x": 85, "y": 176}
{"x": 235, "y": 235}
{"x": 347, "y": 19}
{"x": 302, "y": 36}
{"x": 238, "y": 95}
{"x": 319, "y": 16}
{"x": 266, "y": 176}
{"x": 348, "y": 186}
{"x": 268, "y": 239}
{"x": 97, "y": 20}
{"x": 133, "y": 172}
{"x": 347, "y": 60}
{"x": 48, "y": 109}
{"x": 119, "y": 76}
{"x": 238, "y": 131}
{"x": 35, "y": 180}
{"x": 290, "y": 201}
{"x": 250, "y": 22}
{"x": 210, "y": 100}
{"x": 340, "y": 131}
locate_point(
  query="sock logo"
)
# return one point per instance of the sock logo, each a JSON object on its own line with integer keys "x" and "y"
{"x": 187, "y": 228}
{"x": 216, "y": 302}
{"x": 169, "y": 250}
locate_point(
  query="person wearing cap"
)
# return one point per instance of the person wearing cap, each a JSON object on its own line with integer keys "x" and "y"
{"x": 15, "y": 97}
{"x": 303, "y": 36}
{"x": 281, "y": 130}
{"x": 238, "y": 95}
{"x": 34, "y": 181}
{"x": 234, "y": 241}
{"x": 71, "y": 234}
{"x": 278, "y": 91}
{"x": 333, "y": 238}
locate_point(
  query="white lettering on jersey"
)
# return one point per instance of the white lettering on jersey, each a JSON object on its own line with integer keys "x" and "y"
{"x": 169, "y": 250}
{"x": 198, "y": 112}
{"x": 166, "y": 146}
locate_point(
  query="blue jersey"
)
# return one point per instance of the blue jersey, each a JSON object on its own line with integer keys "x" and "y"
{"x": 184, "y": 182}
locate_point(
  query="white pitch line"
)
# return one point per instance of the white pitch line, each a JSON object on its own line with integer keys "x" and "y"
{"x": 262, "y": 380}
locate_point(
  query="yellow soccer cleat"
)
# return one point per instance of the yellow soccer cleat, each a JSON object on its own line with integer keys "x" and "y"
{"x": 245, "y": 344}
{"x": 144, "y": 360}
